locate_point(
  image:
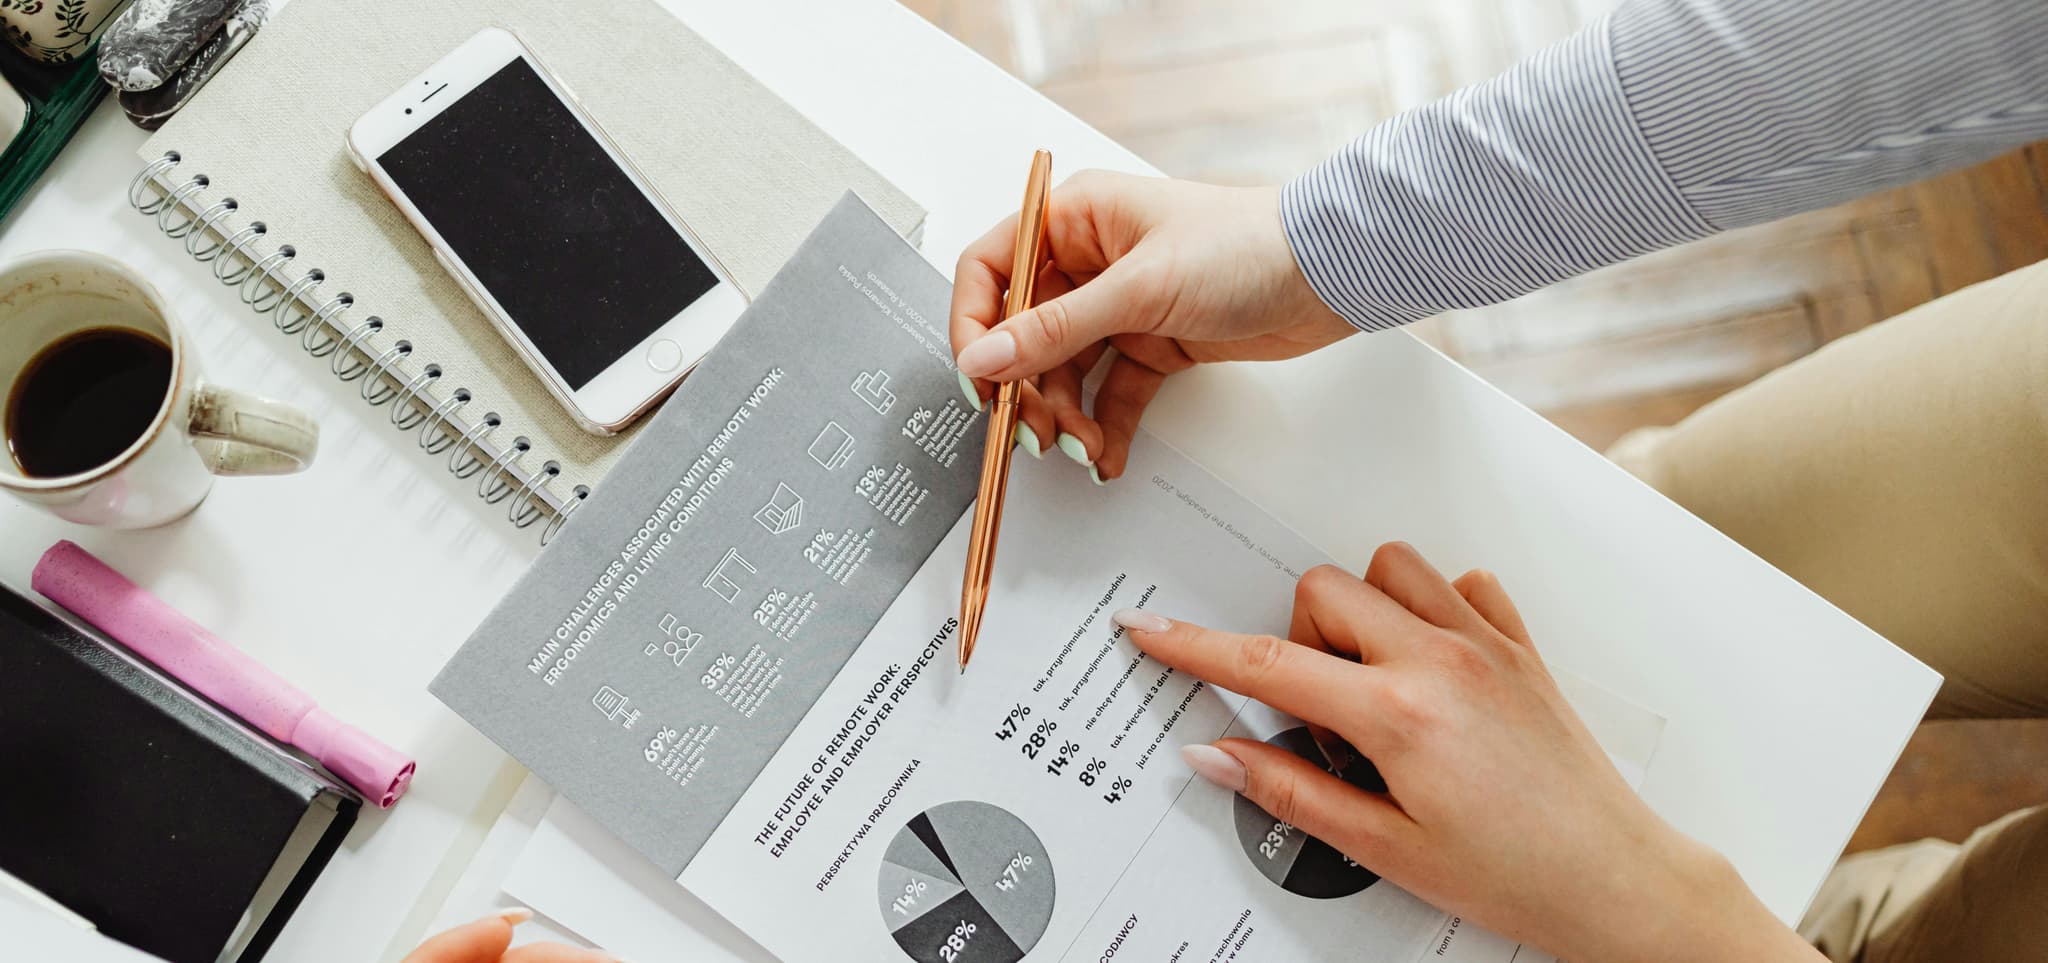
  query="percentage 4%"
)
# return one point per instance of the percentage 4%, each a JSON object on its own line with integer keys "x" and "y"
{"x": 1014, "y": 873}
{"x": 1116, "y": 790}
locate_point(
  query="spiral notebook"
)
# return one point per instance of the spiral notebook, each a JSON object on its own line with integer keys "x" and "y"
{"x": 254, "y": 179}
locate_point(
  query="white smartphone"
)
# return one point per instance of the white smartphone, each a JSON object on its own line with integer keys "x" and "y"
{"x": 566, "y": 248}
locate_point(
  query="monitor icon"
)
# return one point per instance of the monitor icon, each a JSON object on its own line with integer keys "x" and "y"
{"x": 833, "y": 446}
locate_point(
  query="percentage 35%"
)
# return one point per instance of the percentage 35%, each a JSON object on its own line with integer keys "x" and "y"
{"x": 717, "y": 670}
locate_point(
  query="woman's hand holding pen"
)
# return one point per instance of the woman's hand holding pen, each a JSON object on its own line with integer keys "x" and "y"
{"x": 1500, "y": 806}
{"x": 489, "y": 940}
{"x": 1169, "y": 273}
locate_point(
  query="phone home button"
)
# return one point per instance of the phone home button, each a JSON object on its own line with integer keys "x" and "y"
{"x": 664, "y": 355}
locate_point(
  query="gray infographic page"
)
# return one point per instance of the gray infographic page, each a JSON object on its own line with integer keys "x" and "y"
{"x": 664, "y": 646}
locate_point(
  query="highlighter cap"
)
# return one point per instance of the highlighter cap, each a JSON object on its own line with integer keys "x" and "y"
{"x": 376, "y": 770}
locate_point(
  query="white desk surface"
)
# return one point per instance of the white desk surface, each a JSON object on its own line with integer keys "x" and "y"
{"x": 358, "y": 578}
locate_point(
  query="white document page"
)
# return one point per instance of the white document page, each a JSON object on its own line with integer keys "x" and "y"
{"x": 1037, "y": 804}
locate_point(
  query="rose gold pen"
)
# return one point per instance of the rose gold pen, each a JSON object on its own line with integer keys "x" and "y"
{"x": 1002, "y": 412}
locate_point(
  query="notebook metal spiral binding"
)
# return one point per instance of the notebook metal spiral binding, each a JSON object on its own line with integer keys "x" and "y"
{"x": 296, "y": 307}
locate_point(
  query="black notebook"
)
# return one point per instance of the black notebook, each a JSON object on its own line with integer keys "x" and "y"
{"x": 144, "y": 808}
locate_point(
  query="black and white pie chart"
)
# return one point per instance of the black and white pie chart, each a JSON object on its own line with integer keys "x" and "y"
{"x": 1295, "y": 861}
{"x": 966, "y": 882}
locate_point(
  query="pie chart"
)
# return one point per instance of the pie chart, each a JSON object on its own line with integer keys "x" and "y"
{"x": 1295, "y": 861}
{"x": 966, "y": 882}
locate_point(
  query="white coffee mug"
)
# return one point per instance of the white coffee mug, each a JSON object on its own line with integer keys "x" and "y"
{"x": 200, "y": 430}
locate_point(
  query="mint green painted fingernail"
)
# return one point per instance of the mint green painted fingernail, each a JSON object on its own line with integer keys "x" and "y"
{"x": 967, "y": 388}
{"x": 1095, "y": 473}
{"x": 1028, "y": 438}
{"x": 1074, "y": 449}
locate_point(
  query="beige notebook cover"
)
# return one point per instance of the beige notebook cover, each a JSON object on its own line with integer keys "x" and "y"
{"x": 748, "y": 173}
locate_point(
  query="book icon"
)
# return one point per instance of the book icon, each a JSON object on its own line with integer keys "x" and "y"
{"x": 784, "y": 511}
{"x": 833, "y": 446}
{"x": 873, "y": 388}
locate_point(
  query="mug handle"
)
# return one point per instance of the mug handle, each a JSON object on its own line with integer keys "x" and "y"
{"x": 242, "y": 434}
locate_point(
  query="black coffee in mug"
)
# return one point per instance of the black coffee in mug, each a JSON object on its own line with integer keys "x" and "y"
{"x": 84, "y": 399}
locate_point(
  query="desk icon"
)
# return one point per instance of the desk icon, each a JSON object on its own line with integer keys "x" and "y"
{"x": 720, "y": 580}
{"x": 873, "y": 388}
{"x": 833, "y": 446}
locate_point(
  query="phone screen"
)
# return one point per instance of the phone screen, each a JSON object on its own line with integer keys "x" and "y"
{"x": 565, "y": 242}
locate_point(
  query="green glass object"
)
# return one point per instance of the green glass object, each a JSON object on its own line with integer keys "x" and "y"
{"x": 60, "y": 97}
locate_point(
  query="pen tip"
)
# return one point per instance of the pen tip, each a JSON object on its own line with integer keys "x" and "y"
{"x": 970, "y": 628}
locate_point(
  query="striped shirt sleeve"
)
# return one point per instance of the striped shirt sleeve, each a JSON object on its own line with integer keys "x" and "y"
{"x": 1664, "y": 122}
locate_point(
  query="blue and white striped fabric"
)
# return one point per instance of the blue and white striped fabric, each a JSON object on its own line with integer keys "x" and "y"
{"x": 1664, "y": 122}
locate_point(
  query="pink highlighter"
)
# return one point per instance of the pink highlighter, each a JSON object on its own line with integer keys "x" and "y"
{"x": 149, "y": 626}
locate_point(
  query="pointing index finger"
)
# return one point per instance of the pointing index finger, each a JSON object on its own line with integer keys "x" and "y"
{"x": 1309, "y": 684}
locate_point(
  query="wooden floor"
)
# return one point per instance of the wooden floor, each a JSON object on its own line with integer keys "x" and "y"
{"x": 1253, "y": 91}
